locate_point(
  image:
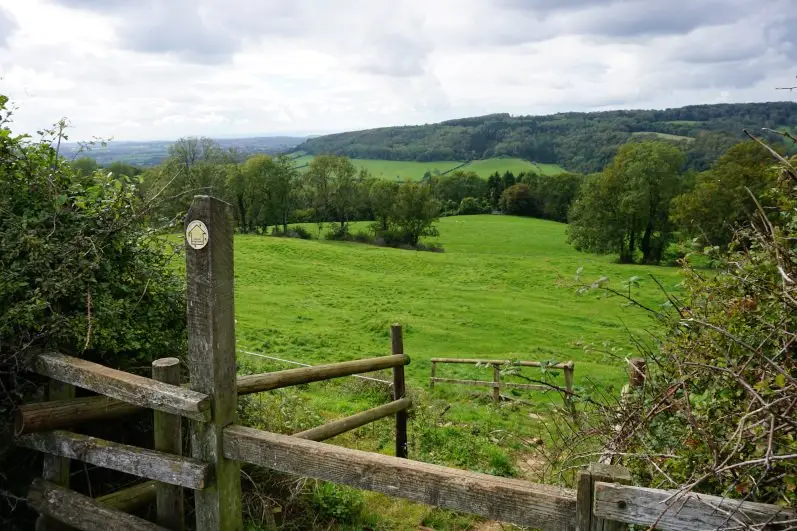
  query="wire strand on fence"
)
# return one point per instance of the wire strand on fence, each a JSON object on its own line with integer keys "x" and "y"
{"x": 308, "y": 365}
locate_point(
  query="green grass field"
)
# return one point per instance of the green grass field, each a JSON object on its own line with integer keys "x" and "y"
{"x": 663, "y": 136}
{"x": 487, "y": 167}
{"x": 400, "y": 170}
{"x": 504, "y": 288}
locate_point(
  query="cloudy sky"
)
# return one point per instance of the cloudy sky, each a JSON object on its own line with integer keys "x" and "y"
{"x": 160, "y": 69}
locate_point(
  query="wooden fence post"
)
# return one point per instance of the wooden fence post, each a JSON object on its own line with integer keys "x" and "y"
{"x": 55, "y": 469}
{"x": 637, "y": 372}
{"x": 585, "y": 496}
{"x": 496, "y": 383}
{"x": 432, "y": 376}
{"x": 168, "y": 438}
{"x": 211, "y": 356}
{"x": 399, "y": 391}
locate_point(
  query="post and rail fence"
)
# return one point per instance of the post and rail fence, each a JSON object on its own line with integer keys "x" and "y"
{"x": 603, "y": 499}
{"x": 496, "y": 383}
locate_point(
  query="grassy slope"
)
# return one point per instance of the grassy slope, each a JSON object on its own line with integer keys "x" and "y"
{"x": 500, "y": 289}
{"x": 401, "y": 170}
{"x": 503, "y": 288}
{"x": 487, "y": 167}
{"x": 663, "y": 136}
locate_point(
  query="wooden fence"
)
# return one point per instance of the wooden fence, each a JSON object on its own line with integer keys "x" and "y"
{"x": 496, "y": 383}
{"x": 218, "y": 445}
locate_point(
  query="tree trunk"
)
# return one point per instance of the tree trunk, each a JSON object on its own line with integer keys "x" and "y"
{"x": 645, "y": 245}
{"x": 242, "y": 213}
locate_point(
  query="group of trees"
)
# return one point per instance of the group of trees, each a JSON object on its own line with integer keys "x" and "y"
{"x": 581, "y": 142}
{"x": 643, "y": 200}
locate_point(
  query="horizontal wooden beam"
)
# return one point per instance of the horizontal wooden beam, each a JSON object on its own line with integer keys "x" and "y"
{"x": 141, "y": 462}
{"x": 256, "y": 383}
{"x": 502, "y": 499}
{"x": 55, "y": 414}
{"x": 130, "y": 499}
{"x": 82, "y": 512}
{"x": 566, "y": 365}
{"x": 124, "y": 386}
{"x": 485, "y": 383}
{"x": 331, "y": 429}
{"x": 690, "y": 512}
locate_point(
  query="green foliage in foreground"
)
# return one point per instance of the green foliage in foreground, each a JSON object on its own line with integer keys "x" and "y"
{"x": 79, "y": 272}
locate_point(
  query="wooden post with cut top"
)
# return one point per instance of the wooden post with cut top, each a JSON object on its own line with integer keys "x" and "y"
{"x": 168, "y": 438}
{"x": 585, "y": 496}
{"x": 399, "y": 392}
{"x": 637, "y": 372}
{"x": 433, "y": 374}
{"x": 211, "y": 356}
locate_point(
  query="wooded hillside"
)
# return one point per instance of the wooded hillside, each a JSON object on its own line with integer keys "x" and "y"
{"x": 582, "y": 142}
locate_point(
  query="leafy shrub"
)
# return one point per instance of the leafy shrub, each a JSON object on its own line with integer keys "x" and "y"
{"x": 335, "y": 502}
{"x": 80, "y": 272}
{"x": 337, "y": 233}
{"x": 471, "y": 205}
{"x": 517, "y": 200}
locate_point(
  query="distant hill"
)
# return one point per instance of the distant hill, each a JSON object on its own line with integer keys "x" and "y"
{"x": 153, "y": 152}
{"x": 578, "y": 141}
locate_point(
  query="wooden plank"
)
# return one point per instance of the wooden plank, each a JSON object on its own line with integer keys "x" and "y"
{"x": 502, "y": 499}
{"x": 124, "y": 386}
{"x": 80, "y": 511}
{"x": 55, "y": 468}
{"x": 690, "y": 512}
{"x": 331, "y": 429}
{"x": 256, "y": 383}
{"x": 140, "y": 462}
{"x": 46, "y": 416}
{"x": 399, "y": 390}
{"x": 521, "y": 363}
{"x": 130, "y": 499}
{"x": 211, "y": 356}
{"x": 485, "y": 383}
{"x": 168, "y": 438}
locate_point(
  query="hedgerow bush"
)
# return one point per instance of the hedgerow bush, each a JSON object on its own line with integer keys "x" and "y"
{"x": 81, "y": 272}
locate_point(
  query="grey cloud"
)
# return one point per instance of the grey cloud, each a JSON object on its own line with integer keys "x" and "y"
{"x": 7, "y": 26}
{"x": 394, "y": 55}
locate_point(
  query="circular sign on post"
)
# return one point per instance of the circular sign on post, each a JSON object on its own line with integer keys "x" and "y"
{"x": 196, "y": 234}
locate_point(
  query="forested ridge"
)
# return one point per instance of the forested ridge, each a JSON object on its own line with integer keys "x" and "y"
{"x": 579, "y": 141}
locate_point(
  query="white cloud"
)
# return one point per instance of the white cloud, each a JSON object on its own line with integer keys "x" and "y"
{"x": 153, "y": 69}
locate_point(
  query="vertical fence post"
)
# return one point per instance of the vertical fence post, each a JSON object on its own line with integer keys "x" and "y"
{"x": 397, "y": 348}
{"x": 585, "y": 517}
{"x": 55, "y": 469}
{"x": 637, "y": 372}
{"x": 432, "y": 377}
{"x": 496, "y": 383}
{"x": 569, "y": 381}
{"x": 168, "y": 438}
{"x": 211, "y": 356}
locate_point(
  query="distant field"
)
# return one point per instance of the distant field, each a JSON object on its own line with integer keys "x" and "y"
{"x": 487, "y": 167}
{"x": 684, "y": 122}
{"x": 414, "y": 171}
{"x": 665, "y": 136}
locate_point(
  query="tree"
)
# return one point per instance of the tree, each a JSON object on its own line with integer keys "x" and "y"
{"x": 720, "y": 200}
{"x": 495, "y": 187}
{"x": 415, "y": 212}
{"x": 281, "y": 189}
{"x": 343, "y": 192}
{"x": 628, "y": 204}
{"x": 516, "y": 200}
{"x": 85, "y": 165}
{"x": 381, "y": 197}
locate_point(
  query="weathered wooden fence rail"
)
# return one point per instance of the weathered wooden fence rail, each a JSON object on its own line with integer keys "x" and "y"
{"x": 496, "y": 382}
{"x": 602, "y": 500}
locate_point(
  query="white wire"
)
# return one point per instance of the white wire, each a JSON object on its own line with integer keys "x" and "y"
{"x": 307, "y": 365}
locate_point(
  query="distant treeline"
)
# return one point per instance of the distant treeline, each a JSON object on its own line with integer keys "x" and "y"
{"x": 580, "y": 142}
{"x": 644, "y": 200}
